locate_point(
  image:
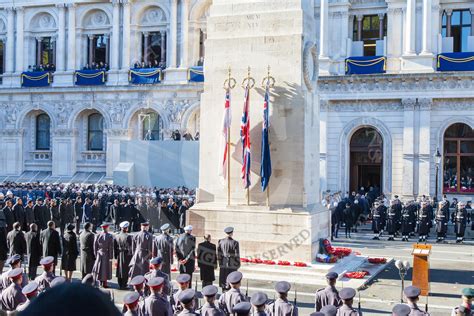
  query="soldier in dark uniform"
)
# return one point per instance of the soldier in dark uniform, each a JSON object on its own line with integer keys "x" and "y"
{"x": 12, "y": 296}
{"x": 328, "y": 295}
{"x": 33, "y": 246}
{"x": 281, "y": 306}
{"x": 51, "y": 242}
{"x": 138, "y": 285}
{"x": 392, "y": 220}
{"x": 441, "y": 219}
{"x": 123, "y": 254}
{"x": 3, "y": 240}
{"x": 423, "y": 221}
{"x": 347, "y": 296}
{"x": 163, "y": 247}
{"x": 87, "y": 249}
{"x": 207, "y": 260}
{"x": 142, "y": 246}
{"x": 78, "y": 214}
{"x": 210, "y": 308}
{"x": 70, "y": 251}
{"x": 406, "y": 223}
{"x": 377, "y": 220}
{"x": 460, "y": 219}
{"x": 104, "y": 253}
{"x": 228, "y": 255}
{"x": 16, "y": 241}
{"x": 259, "y": 302}
{"x": 412, "y": 294}
{"x": 15, "y": 263}
{"x": 233, "y": 296}
{"x": 466, "y": 308}
{"x": 95, "y": 213}
{"x": 186, "y": 251}
{"x": 157, "y": 303}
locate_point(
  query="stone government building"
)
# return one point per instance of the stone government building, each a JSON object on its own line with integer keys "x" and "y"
{"x": 385, "y": 107}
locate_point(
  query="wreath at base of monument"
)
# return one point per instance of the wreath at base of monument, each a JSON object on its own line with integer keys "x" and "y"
{"x": 356, "y": 274}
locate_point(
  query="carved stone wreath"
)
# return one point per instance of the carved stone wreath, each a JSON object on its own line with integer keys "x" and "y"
{"x": 154, "y": 15}
{"x": 99, "y": 18}
{"x": 310, "y": 65}
{"x": 46, "y": 21}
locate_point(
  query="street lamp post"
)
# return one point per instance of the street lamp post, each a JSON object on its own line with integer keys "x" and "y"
{"x": 437, "y": 160}
{"x": 403, "y": 267}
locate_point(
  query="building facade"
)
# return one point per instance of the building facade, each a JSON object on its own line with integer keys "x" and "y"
{"x": 387, "y": 104}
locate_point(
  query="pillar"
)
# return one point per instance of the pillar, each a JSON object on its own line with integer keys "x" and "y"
{"x": 184, "y": 33}
{"x": 126, "y": 35}
{"x": 381, "y": 28}
{"x": 424, "y": 148}
{"x": 162, "y": 46}
{"x": 472, "y": 21}
{"x": 107, "y": 48}
{"x": 71, "y": 34}
{"x": 173, "y": 34}
{"x": 410, "y": 29}
{"x": 408, "y": 148}
{"x": 10, "y": 49}
{"x": 360, "y": 18}
{"x": 146, "y": 44}
{"x": 344, "y": 32}
{"x": 60, "y": 44}
{"x": 115, "y": 35}
{"x": 427, "y": 33}
{"x": 324, "y": 31}
{"x": 449, "y": 14}
{"x": 90, "y": 38}
{"x": 20, "y": 42}
{"x": 38, "y": 50}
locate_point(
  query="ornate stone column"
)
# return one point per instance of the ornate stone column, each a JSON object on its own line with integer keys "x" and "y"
{"x": 410, "y": 28}
{"x": 424, "y": 147}
{"x": 408, "y": 147}
{"x": 359, "y": 17}
{"x": 344, "y": 32}
{"x": 90, "y": 58}
{"x": 10, "y": 49}
{"x": 115, "y": 35}
{"x": 38, "y": 50}
{"x": 163, "y": 46}
{"x": 173, "y": 34}
{"x": 427, "y": 32}
{"x": 324, "y": 31}
{"x": 381, "y": 28}
{"x": 449, "y": 14}
{"x": 60, "y": 44}
{"x": 126, "y": 35}
{"x": 71, "y": 45}
{"x": 20, "y": 41}
{"x": 184, "y": 33}
{"x": 146, "y": 44}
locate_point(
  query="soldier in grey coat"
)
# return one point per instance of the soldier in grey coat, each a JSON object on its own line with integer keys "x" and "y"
{"x": 156, "y": 303}
{"x": 281, "y": 306}
{"x": 155, "y": 272}
{"x": 45, "y": 279}
{"x": 31, "y": 292}
{"x": 104, "y": 253}
{"x": 15, "y": 263}
{"x": 412, "y": 294}
{"x": 210, "y": 308}
{"x": 123, "y": 254}
{"x": 87, "y": 249}
{"x": 186, "y": 251}
{"x": 228, "y": 255}
{"x": 259, "y": 301}
{"x": 328, "y": 295}
{"x": 163, "y": 247}
{"x": 142, "y": 252}
{"x": 347, "y": 296}
{"x": 229, "y": 299}
{"x": 12, "y": 296}
{"x": 132, "y": 305}
{"x": 187, "y": 299}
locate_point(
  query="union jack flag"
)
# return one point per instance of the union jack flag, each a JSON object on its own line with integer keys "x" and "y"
{"x": 226, "y": 122}
{"x": 245, "y": 138}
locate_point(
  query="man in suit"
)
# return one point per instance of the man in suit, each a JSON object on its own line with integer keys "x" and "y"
{"x": 78, "y": 213}
{"x": 228, "y": 254}
{"x": 207, "y": 260}
{"x": 186, "y": 251}
{"x": 87, "y": 249}
{"x": 29, "y": 214}
{"x": 50, "y": 242}
{"x": 19, "y": 213}
{"x": 8, "y": 212}
{"x": 33, "y": 246}
{"x": 16, "y": 241}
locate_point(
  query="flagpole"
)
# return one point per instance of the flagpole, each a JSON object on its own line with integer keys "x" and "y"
{"x": 248, "y": 83}
{"x": 229, "y": 84}
{"x": 267, "y": 83}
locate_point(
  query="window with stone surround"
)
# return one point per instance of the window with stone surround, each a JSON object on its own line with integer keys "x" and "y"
{"x": 95, "y": 132}
{"x": 152, "y": 126}
{"x": 43, "y": 125}
{"x": 457, "y": 24}
{"x": 372, "y": 28}
{"x": 458, "y": 171}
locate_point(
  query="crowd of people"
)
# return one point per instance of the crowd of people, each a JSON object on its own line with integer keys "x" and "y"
{"x": 397, "y": 218}
{"x": 97, "y": 66}
{"x": 42, "y": 67}
{"x": 149, "y": 64}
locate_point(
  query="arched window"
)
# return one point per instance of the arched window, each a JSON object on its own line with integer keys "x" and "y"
{"x": 458, "y": 171}
{"x": 152, "y": 125}
{"x": 43, "y": 124}
{"x": 95, "y": 132}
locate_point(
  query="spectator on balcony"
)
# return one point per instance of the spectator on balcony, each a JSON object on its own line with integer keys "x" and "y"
{"x": 30, "y": 68}
{"x": 196, "y": 137}
{"x": 86, "y": 67}
{"x": 136, "y": 65}
{"x": 201, "y": 61}
{"x": 176, "y": 135}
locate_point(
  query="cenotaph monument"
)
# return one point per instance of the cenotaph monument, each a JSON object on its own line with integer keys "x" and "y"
{"x": 258, "y": 34}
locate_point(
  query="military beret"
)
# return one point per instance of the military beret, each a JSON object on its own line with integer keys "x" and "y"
{"x": 234, "y": 277}
{"x": 259, "y": 299}
{"x": 70, "y": 226}
{"x": 186, "y": 296}
{"x": 57, "y": 281}
{"x": 242, "y": 308}
{"x": 282, "y": 287}
{"x": 30, "y": 288}
{"x": 46, "y": 261}
{"x": 317, "y": 314}
{"x": 411, "y": 291}
{"x": 13, "y": 259}
{"x": 155, "y": 282}
{"x": 183, "y": 278}
{"x": 156, "y": 260}
{"x": 139, "y": 279}
{"x": 329, "y": 310}
{"x": 131, "y": 298}
{"x": 145, "y": 224}
{"x": 165, "y": 227}
{"x": 347, "y": 293}
{"x": 468, "y": 291}
{"x": 124, "y": 224}
{"x": 228, "y": 230}
{"x": 188, "y": 228}
{"x": 401, "y": 310}
{"x": 15, "y": 273}
{"x": 332, "y": 275}
{"x": 209, "y": 290}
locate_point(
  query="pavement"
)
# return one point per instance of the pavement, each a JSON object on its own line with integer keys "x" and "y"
{"x": 451, "y": 270}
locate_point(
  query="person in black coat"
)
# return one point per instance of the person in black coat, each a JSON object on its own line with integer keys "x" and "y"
{"x": 182, "y": 213}
{"x": 87, "y": 249}
{"x": 348, "y": 219}
{"x": 66, "y": 214}
{"x": 54, "y": 213}
{"x": 207, "y": 260}
{"x": 78, "y": 213}
{"x": 392, "y": 220}
{"x": 29, "y": 215}
{"x": 96, "y": 214}
{"x": 8, "y": 212}
{"x": 424, "y": 221}
{"x": 50, "y": 242}
{"x": 70, "y": 252}
{"x": 116, "y": 213}
{"x": 19, "y": 213}
{"x": 38, "y": 211}
{"x": 33, "y": 246}
{"x": 3, "y": 240}
{"x": 16, "y": 241}
{"x": 441, "y": 220}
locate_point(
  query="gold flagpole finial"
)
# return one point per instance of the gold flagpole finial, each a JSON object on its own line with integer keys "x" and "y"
{"x": 230, "y": 82}
{"x": 268, "y": 81}
{"x": 248, "y": 82}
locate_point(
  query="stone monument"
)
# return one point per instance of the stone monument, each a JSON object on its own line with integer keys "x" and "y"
{"x": 258, "y": 34}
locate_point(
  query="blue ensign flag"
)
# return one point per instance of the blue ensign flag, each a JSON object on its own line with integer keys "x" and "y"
{"x": 266, "y": 161}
